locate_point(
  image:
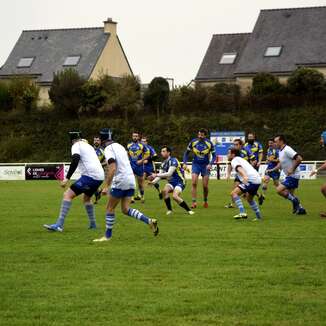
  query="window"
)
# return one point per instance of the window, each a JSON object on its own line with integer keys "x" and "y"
{"x": 228, "y": 58}
{"x": 273, "y": 51}
{"x": 25, "y": 62}
{"x": 72, "y": 60}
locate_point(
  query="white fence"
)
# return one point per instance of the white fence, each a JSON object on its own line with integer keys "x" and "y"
{"x": 57, "y": 170}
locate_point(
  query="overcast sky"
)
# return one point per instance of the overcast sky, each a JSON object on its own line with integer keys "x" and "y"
{"x": 161, "y": 38}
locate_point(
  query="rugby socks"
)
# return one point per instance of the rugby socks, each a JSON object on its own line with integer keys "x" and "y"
{"x": 255, "y": 208}
{"x": 138, "y": 215}
{"x": 65, "y": 206}
{"x": 239, "y": 204}
{"x": 168, "y": 203}
{"x": 91, "y": 215}
{"x": 142, "y": 192}
{"x": 157, "y": 187}
{"x": 109, "y": 222}
{"x": 264, "y": 189}
{"x": 184, "y": 205}
{"x": 293, "y": 199}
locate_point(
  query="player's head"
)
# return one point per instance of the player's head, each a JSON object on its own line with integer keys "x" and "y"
{"x": 144, "y": 140}
{"x": 280, "y": 141}
{"x": 166, "y": 152}
{"x": 251, "y": 137}
{"x": 105, "y": 135}
{"x": 97, "y": 141}
{"x": 135, "y": 136}
{"x": 75, "y": 135}
{"x": 271, "y": 143}
{"x": 202, "y": 133}
{"x": 323, "y": 139}
{"x": 237, "y": 144}
{"x": 232, "y": 153}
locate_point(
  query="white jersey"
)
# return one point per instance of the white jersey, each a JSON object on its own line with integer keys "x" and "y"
{"x": 252, "y": 174}
{"x": 89, "y": 164}
{"x": 124, "y": 178}
{"x": 286, "y": 156}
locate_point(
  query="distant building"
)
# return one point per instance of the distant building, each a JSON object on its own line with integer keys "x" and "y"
{"x": 282, "y": 40}
{"x": 38, "y": 54}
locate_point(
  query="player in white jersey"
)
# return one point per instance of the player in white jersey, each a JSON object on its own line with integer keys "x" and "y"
{"x": 120, "y": 178}
{"x": 250, "y": 181}
{"x": 289, "y": 162}
{"x": 85, "y": 159}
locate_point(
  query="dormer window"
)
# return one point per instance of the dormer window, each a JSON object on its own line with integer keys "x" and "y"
{"x": 72, "y": 60}
{"x": 25, "y": 62}
{"x": 273, "y": 51}
{"x": 228, "y": 58}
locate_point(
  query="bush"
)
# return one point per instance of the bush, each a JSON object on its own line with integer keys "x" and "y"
{"x": 5, "y": 98}
{"x": 93, "y": 96}
{"x": 265, "y": 84}
{"x": 306, "y": 82}
{"x": 66, "y": 91}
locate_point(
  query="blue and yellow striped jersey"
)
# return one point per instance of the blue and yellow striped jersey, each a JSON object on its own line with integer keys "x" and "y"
{"x": 178, "y": 175}
{"x": 201, "y": 149}
{"x": 256, "y": 148}
{"x": 137, "y": 151}
{"x": 100, "y": 154}
{"x": 272, "y": 155}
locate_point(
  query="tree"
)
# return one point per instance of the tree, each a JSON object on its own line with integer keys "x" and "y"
{"x": 157, "y": 95}
{"x": 66, "y": 91}
{"x": 5, "y": 97}
{"x": 265, "y": 84}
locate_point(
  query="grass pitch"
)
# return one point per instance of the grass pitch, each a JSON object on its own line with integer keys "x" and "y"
{"x": 205, "y": 269}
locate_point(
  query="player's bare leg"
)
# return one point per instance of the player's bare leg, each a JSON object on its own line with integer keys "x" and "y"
{"x": 194, "y": 179}
{"x": 140, "y": 181}
{"x": 177, "y": 198}
{"x": 205, "y": 190}
{"x": 166, "y": 196}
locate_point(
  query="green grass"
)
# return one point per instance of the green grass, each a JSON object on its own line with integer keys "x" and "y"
{"x": 205, "y": 269}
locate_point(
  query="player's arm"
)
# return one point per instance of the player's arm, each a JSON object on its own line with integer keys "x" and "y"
{"x": 111, "y": 169}
{"x": 276, "y": 168}
{"x": 213, "y": 157}
{"x": 321, "y": 168}
{"x": 297, "y": 159}
{"x": 228, "y": 171}
{"x": 75, "y": 158}
{"x": 242, "y": 173}
{"x": 186, "y": 155}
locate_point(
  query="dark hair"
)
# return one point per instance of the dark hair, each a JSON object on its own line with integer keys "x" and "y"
{"x": 251, "y": 133}
{"x": 203, "y": 131}
{"x": 97, "y": 136}
{"x": 234, "y": 151}
{"x": 271, "y": 139}
{"x": 238, "y": 140}
{"x": 281, "y": 137}
{"x": 144, "y": 137}
{"x": 168, "y": 149}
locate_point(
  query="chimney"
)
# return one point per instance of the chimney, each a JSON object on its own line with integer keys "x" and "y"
{"x": 110, "y": 26}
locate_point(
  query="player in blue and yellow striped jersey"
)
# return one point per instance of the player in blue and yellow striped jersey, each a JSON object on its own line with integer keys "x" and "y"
{"x": 172, "y": 171}
{"x": 99, "y": 150}
{"x": 149, "y": 164}
{"x": 204, "y": 157}
{"x": 272, "y": 161}
{"x": 138, "y": 153}
{"x": 256, "y": 148}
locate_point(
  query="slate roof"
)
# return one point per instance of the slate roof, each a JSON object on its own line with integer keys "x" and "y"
{"x": 50, "y": 49}
{"x": 220, "y": 44}
{"x": 300, "y": 31}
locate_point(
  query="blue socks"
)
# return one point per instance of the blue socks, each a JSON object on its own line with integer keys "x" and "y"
{"x": 91, "y": 215}
{"x": 255, "y": 208}
{"x": 239, "y": 204}
{"x": 138, "y": 215}
{"x": 65, "y": 206}
{"x": 109, "y": 222}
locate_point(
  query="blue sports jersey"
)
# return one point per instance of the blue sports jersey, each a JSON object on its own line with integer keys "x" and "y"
{"x": 201, "y": 149}
{"x": 137, "y": 151}
{"x": 178, "y": 174}
{"x": 272, "y": 157}
{"x": 152, "y": 154}
{"x": 246, "y": 154}
{"x": 100, "y": 154}
{"x": 256, "y": 148}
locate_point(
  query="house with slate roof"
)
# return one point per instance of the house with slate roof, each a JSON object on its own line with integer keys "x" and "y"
{"x": 38, "y": 54}
{"x": 281, "y": 41}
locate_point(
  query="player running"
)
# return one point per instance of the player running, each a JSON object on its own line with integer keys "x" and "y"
{"x": 289, "y": 161}
{"x": 249, "y": 184}
{"x": 100, "y": 154}
{"x": 272, "y": 161}
{"x": 246, "y": 155}
{"x": 204, "y": 157}
{"x": 149, "y": 165}
{"x": 172, "y": 171}
{"x": 120, "y": 178}
{"x": 138, "y": 153}
{"x": 92, "y": 175}
{"x": 256, "y": 149}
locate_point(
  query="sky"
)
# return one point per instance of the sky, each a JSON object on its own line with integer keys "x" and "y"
{"x": 165, "y": 38}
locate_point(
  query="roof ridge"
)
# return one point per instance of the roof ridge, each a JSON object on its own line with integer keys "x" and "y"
{"x": 60, "y": 29}
{"x": 225, "y": 34}
{"x": 294, "y": 8}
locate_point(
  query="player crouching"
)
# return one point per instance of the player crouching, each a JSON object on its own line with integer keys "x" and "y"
{"x": 250, "y": 183}
{"x": 172, "y": 171}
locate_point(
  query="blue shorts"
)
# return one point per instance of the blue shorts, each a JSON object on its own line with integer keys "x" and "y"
{"x": 149, "y": 168}
{"x": 236, "y": 179}
{"x": 175, "y": 184}
{"x": 291, "y": 183}
{"x": 85, "y": 185}
{"x": 118, "y": 193}
{"x": 138, "y": 170}
{"x": 275, "y": 175}
{"x": 250, "y": 188}
{"x": 200, "y": 169}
